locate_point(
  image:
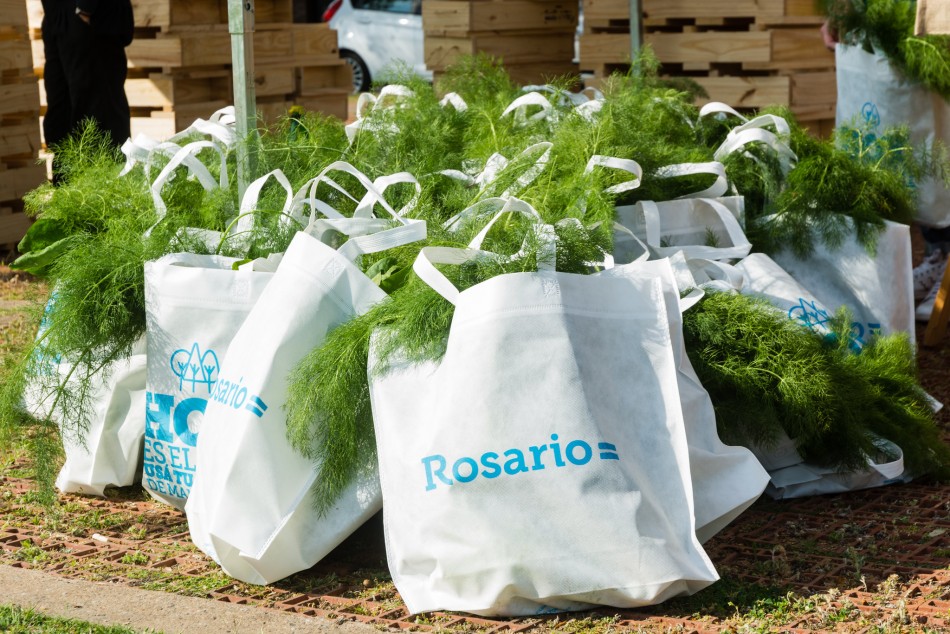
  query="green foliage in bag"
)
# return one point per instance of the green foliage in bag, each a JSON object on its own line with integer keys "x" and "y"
{"x": 767, "y": 374}
{"x": 887, "y": 26}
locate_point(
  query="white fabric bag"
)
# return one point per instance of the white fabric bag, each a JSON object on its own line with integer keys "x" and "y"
{"x": 871, "y": 92}
{"x": 790, "y": 476}
{"x": 726, "y": 479}
{"x": 109, "y": 453}
{"x": 765, "y": 279}
{"x": 194, "y": 306}
{"x": 250, "y": 508}
{"x": 877, "y": 289}
{"x": 519, "y": 476}
{"x": 106, "y": 450}
{"x": 801, "y": 479}
{"x": 686, "y": 224}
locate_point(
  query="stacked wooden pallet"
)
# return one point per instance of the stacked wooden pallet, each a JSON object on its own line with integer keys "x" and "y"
{"x": 19, "y": 122}
{"x": 533, "y": 38}
{"x": 747, "y": 53}
{"x": 180, "y": 63}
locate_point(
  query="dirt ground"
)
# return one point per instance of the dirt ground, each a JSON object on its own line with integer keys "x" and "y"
{"x": 870, "y": 561}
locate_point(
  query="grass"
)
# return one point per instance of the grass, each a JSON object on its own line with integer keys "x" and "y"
{"x": 17, "y": 620}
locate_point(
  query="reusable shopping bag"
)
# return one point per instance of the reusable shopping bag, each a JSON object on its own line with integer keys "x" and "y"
{"x": 873, "y": 94}
{"x": 706, "y": 224}
{"x": 801, "y": 479}
{"x": 250, "y": 508}
{"x": 726, "y": 479}
{"x": 542, "y": 464}
{"x": 108, "y": 454}
{"x": 790, "y": 476}
{"x": 194, "y": 306}
{"x": 878, "y": 289}
{"x": 104, "y": 450}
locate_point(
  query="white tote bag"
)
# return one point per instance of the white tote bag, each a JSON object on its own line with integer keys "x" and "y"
{"x": 726, "y": 479}
{"x": 763, "y": 278}
{"x": 872, "y": 93}
{"x": 250, "y": 508}
{"x": 109, "y": 453}
{"x": 706, "y": 224}
{"x": 194, "y": 306}
{"x": 104, "y": 450}
{"x": 800, "y": 479}
{"x": 519, "y": 475}
{"x": 878, "y": 289}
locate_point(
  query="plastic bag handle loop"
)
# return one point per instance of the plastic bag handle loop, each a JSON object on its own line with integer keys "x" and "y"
{"x": 717, "y": 189}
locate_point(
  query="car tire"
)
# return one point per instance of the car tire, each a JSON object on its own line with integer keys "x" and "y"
{"x": 361, "y": 78}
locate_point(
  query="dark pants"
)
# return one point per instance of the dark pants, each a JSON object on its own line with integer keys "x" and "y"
{"x": 85, "y": 79}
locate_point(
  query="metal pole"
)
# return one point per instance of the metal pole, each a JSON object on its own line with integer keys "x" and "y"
{"x": 241, "y": 27}
{"x": 636, "y": 28}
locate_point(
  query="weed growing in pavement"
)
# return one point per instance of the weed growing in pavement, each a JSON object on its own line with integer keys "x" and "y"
{"x": 134, "y": 558}
{"x": 30, "y": 553}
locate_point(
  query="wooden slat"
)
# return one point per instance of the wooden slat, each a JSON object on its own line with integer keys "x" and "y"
{"x": 274, "y": 81}
{"x": 13, "y": 226}
{"x": 796, "y": 49}
{"x": 440, "y": 52}
{"x": 34, "y": 12}
{"x": 614, "y": 48}
{"x": 332, "y": 103}
{"x": 441, "y": 16}
{"x": 709, "y": 8}
{"x": 154, "y": 127}
{"x": 14, "y": 183}
{"x": 15, "y": 55}
{"x": 20, "y": 99}
{"x": 746, "y": 92}
{"x": 21, "y": 139}
{"x": 818, "y": 88}
{"x": 13, "y": 13}
{"x": 311, "y": 80}
{"x": 937, "y": 324}
{"x": 161, "y": 90}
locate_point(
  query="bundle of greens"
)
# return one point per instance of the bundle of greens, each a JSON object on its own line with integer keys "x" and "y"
{"x": 767, "y": 374}
{"x": 851, "y": 183}
{"x": 887, "y": 26}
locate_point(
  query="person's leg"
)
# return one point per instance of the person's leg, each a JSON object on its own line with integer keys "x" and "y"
{"x": 57, "y": 122}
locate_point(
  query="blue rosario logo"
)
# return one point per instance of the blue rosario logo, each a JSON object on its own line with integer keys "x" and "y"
{"x": 513, "y": 461}
{"x": 195, "y": 367}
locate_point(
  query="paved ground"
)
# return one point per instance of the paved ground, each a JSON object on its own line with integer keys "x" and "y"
{"x": 114, "y": 604}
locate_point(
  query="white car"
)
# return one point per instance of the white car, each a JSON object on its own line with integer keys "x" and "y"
{"x": 372, "y": 34}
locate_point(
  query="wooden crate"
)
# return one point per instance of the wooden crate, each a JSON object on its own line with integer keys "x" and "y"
{"x": 446, "y": 17}
{"x": 511, "y": 48}
{"x": 779, "y": 49}
{"x": 312, "y": 80}
{"x": 13, "y": 226}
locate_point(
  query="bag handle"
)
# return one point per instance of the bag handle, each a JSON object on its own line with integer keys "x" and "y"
{"x": 455, "y": 100}
{"x": 197, "y": 168}
{"x": 626, "y": 165}
{"x": 889, "y": 470}
{"x": 375, "y": 193}
{"x": 717, "y": 189}
{"x": 247, "y": 217}
{"x": 740, "y": 243}
{"x": 307, "y": 194}
{"x": 497, "y": 163}
{"x": 753, "y": 131}
{"x": 389, "y": 97}
{"x": 520, "y": 108}
{"x": 424, "y": 264}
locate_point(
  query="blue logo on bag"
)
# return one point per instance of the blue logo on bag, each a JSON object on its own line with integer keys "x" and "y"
{"x": 870, "y": 114}
{"x": 195, "y": 367}
{"x": 809, "y": 314}
{"x": 235, "y": 395}
{"x": 537, "y": 458}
